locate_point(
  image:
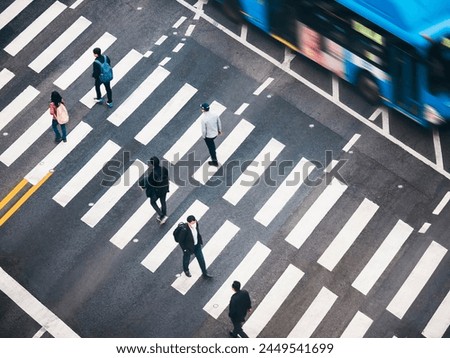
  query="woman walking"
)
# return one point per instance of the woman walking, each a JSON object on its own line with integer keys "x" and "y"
{"x": 55, "y": 102}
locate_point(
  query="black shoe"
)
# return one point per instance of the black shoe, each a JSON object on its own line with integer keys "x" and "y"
{"x": 214, "y": 163}
{"x": 57, "y": 140}
{"x": 206, "y": 275}
{"x": 187, "y": 273}
{"x": 64, "y": 140}
{"x": 232, "y": 334}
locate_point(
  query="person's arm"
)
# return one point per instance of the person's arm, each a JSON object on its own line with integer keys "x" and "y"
{"x": 219, "y": 125}
{"x": 52, "y": 110}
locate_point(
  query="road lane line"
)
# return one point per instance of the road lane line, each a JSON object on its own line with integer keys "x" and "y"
{"x": 416, "y": 280}
{"x": 315, "y": 214}
{"x": 439, "y": 323}
{"x": 254, "y": 171}
{"x": 382, "y": 257}
{"x": 12, "y": 11}
{"x": 5, "y": 76}
{"x": 114, "y": 193}
{"x": 17, "y": 105}
{"x": 59, "y": 153}
{"x": 83, "y": 62}
{"x": 442, "y": 204}
{"x": 34, "y": 308}
{"x": 13, "y": 193}
{"x": 243, "y": 272}
{"x": 190, "y": 136}
{"x": 358, "y": 326}
{"x": 351, "y": 142}
{"x": 284, "y": 192}
{"x": 86, "y": 173}
{"x": 261, "y": 88}
{"x": 35, "y": 28}
{"x": 166, "y": 114}
{"x": 137, "y": 221}
{"x": 167, "y": 244}
{"x": 348, "y": 234}
{"x": 272, "y": 301}
{"x": 179, "y": 22}
{"x": 161, "y": 40}
{"x": 139, "y": 95}
{"x": 224, "y": 151}
{"x": 438, "y": 148}
{"x": 211, "y": 251}
{"x": 315, "y": 313}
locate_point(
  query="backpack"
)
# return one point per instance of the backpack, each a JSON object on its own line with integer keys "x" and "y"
{"x": 179, "y": 231}
{"x": 62, "y": 116}
{"x": 106, "y": 73}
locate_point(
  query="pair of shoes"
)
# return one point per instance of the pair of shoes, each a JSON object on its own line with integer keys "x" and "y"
{"x": 232, "y": 334}
{"x": 98, "y": 100}
{"x": 64, "y": 140}
{"x": 163, "y": 219}
{"x": 109, "y": 104}
{"x": 57, "y": 140}
{"x": 187, "y": 273}
{"x": 214, "y": 163}
{"x": 206, "y": 275}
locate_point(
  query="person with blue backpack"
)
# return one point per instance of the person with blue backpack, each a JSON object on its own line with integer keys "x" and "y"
{"x": 102, "y": 73}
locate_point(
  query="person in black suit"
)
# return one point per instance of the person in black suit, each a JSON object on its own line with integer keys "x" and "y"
{"x": 191, "y": 243}
{"x": 240, "y": 304}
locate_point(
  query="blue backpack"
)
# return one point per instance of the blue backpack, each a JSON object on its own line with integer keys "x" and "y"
{"x": 106, "y": 73}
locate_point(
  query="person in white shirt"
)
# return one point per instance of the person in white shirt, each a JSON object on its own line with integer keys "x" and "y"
{"x": 211, "y": 128}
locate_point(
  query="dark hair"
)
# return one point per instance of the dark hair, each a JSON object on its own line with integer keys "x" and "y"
{"x": 55, "y": 98}
{"x": 154, "y": 161}
{"x": 191, "y": 218}
{"x": 97, "y": 51}
{"x": 236, "y": 286}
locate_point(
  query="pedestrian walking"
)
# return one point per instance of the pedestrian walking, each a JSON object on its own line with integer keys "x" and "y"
{"x": 102, "y": 73}
{"x": 191, "y": 242}
{"x": 240, "y": 305}
{"x": 59, "y": 115}
{"x": 211, "y": 128}
{"x": 156, "y": 185}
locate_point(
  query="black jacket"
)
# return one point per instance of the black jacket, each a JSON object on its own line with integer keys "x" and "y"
{"x": 239, "y": 305}
{"x": 96, "y": 69}
{"x": 187, "y": 240}
{"x": 155, "y": 183}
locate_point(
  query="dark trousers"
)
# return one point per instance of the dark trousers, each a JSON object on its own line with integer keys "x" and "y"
{"x": 162, "y": 198}
{"x": 198, "y": 254}
{"x": 107, "y": 87}
{"x": 212, "y": 148}
{"x": 56, "y": 130}
{"x": 237, "y": 329}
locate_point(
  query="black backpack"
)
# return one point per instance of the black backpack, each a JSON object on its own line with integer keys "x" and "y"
{"x": 179, "y": 231}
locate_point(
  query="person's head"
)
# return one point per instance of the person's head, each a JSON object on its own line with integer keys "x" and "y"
{"x": 154, "y": 161}
{"x": 97, "y": 52}
{"x": 204, "y": 107}
{"x": 236, "y": 286}
{"x": 191, "y": 220}
{"x": 55, "y": 97}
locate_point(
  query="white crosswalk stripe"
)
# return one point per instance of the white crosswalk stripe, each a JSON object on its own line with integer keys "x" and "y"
{"x": 348, "y": 234}
{"x": 137, "y": 221}
{"x": 58, "y": 153}
{"x": 314, "y": 314}
{"x": 12, "y": 11}
{"x": 122, "y": 67}
{"x": 190, "y": 136}
{"x": 114, "y": 193}
{"x": 315, "y": 214}
{"x": 167, "y": 244}
{"x": 140, "y": 94}
{"x": 272, "y": 301}
{"x": 211, "y": 251}
{"x": 245, "y": 270}
{"x": 5, "y": 76}
{"x": 440, "y": 321}
{"x": 166, "y": 114}
{"x": 382, "y": 257}
{"x": 83, "y": 62}
{"x": 38, "y": 25}
{"x": 17, "y": 105}
{"x": 284, "y": 192}
{"x": 60, "y": 44}
{"x": 358, "y": 326}
{"x": 225, "y": 150}
{"x": 417, "y": 280}
{"x": 253, "y": 172}
{"x": 85, "y": 174}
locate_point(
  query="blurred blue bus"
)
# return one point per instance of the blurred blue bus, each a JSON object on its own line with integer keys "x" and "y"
{"x": 395, "y": 51}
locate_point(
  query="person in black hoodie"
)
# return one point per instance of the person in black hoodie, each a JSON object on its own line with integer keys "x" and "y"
{"x": 96, "y": 71}
{"x": 240, "y": 304}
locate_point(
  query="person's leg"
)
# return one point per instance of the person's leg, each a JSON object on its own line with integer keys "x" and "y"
{"x": 201, "y": 260}
{"x": 162, "y": 199}
{"x": 186, "y": 259}
{"x": 153, "y": 200}
{"x": 108, "y": 91}
{"x": 97, "y": 90}
{"x": 64, "y": 132}
{"x": 237, "y": 329}
{"x": 211, "y": 148}
{"x": 56, "y": 130}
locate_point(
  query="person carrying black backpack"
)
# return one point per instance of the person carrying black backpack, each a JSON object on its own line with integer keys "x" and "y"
{"x": 156, "y": 185}
{"x": 102, "y": 72}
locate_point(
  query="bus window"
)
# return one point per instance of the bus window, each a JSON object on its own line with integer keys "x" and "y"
{"x": 439, "y": 67}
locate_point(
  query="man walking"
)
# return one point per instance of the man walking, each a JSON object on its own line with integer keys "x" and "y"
{"x": 211, "y": 128}
{"x": 102, "y": 73}
{"x": 191, "y": 242}
{"x": 156, "y": 185}
{"x": 240, "y": 304}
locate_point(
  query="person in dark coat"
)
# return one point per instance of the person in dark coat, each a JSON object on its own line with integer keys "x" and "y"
{"x": 240, "y": 304}
{"x": 156, "y": 185}
{"x": 96, "y": 71}
{"x": 191, "y": 242}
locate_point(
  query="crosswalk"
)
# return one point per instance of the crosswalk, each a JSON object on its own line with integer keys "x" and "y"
{"x": 244, "y": 188}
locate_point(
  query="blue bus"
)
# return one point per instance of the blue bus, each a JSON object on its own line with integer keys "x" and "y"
{"x": 395, "y": 51}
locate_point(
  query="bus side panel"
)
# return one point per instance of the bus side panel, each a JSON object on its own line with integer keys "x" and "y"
{"x": 257, "y": 13}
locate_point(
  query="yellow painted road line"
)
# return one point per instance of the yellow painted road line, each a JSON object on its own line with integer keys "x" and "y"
{"x": 13, "y": 193}
{"x": 23, "y": 199}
